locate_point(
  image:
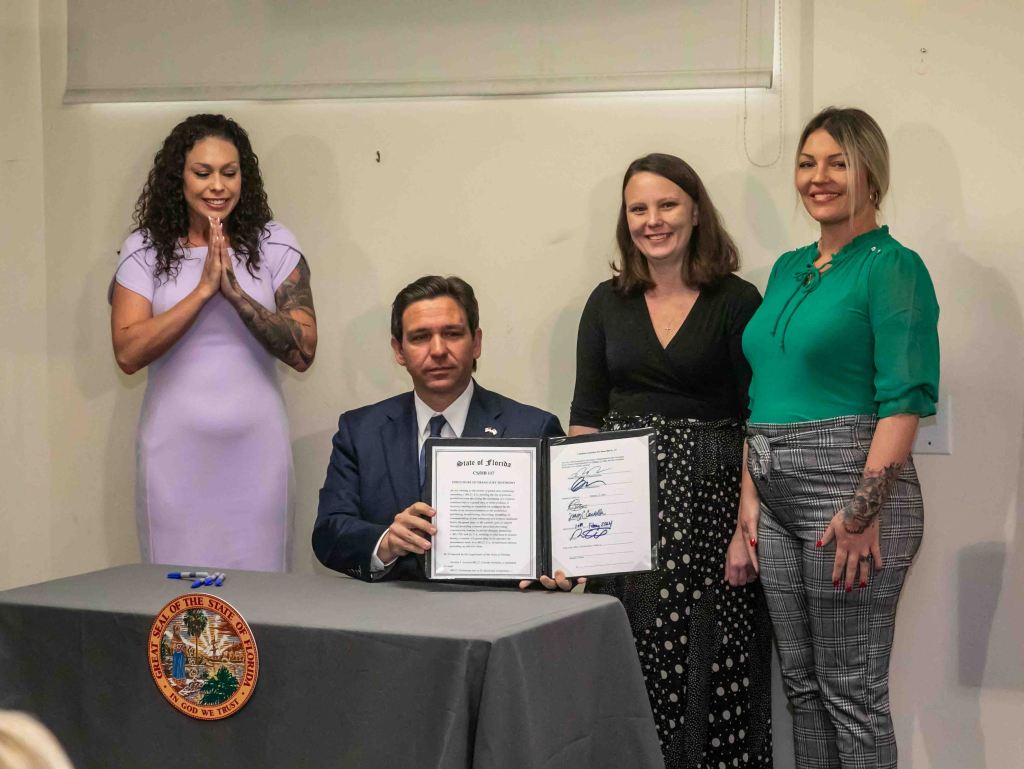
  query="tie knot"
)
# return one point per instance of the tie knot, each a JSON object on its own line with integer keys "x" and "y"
{"x": 437, "y": 423}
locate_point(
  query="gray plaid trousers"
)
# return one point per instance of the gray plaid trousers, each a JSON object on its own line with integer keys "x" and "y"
{"x": 833, "y": 646}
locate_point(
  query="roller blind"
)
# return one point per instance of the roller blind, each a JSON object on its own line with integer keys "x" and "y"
{"x": 171, "y": 50}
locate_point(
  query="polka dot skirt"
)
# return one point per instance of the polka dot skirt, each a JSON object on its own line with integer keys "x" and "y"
{"x": 705, "y": 647}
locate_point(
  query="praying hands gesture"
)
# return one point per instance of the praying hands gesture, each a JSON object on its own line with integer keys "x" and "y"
{"x": 288, "y": 334}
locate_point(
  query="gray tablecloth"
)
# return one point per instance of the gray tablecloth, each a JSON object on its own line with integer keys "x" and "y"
{"x": 351, "y": 675}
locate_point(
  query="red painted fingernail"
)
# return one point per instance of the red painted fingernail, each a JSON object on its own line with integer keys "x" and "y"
{"x": 849, "y": 588}
{"x": 863, "y": 583}
{"x": 753, "y": 541}
{"x": 835, "y": 583}
{"x": 819, "y": 543}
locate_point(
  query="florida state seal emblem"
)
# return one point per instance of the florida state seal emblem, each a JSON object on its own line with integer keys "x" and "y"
{"x": 202, "y": 656}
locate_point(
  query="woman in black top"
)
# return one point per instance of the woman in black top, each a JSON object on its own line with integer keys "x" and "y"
{"x": 659, "y": 345}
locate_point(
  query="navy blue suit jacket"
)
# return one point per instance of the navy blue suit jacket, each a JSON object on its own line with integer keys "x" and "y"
{"x": 374, "y": 474}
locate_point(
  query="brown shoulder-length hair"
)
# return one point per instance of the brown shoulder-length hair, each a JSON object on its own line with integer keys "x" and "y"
{"x": 711, "y": 254}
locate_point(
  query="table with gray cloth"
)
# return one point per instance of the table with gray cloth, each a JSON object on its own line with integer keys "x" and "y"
{"x": 352, "y": 674}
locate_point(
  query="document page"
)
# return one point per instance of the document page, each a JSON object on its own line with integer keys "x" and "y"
{"x": 601, "y": 506}
{"x": 486, "y": 503}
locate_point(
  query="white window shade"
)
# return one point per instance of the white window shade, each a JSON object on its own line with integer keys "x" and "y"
{"x": 171, "y": 50}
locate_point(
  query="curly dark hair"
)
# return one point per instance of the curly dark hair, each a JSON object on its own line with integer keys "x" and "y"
{"x": 712, "y": 253}
{"x": 162, "y": 214}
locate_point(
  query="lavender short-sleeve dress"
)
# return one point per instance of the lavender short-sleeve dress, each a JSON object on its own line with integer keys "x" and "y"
{"x": 213, "y": 454}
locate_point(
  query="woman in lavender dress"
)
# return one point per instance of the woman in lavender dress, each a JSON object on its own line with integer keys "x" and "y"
{"x": 209, "y": 294}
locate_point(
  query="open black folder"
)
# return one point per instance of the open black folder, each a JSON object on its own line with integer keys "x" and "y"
{"x": 520, "y": 508}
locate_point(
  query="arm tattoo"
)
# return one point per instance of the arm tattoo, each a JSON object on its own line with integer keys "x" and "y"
{"x": 282, "y": 334}
{"x": 861, "y": 511}
{"x": 295, "y": 293}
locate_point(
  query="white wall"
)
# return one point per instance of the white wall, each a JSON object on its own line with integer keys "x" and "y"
{"x": 519, "y": 197}
{"x": 25, "y": 510}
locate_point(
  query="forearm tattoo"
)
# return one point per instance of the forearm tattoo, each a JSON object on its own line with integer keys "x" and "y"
{"x": 861, "y": 511}
{"x": 280, "y": 333}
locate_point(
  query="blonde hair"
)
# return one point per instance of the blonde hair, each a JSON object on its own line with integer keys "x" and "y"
{"x": 27, "y": 744}
{"x": 863, "y": 144}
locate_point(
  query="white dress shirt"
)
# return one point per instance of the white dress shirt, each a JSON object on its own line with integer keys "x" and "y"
{"x": 455, "y": 422}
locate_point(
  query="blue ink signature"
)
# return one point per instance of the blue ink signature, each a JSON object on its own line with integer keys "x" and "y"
{"x": 586, "y": 513}
{"x": 586, "y": 477}
{"x": 578, "y": 511}
{"x": 593, "y": 531}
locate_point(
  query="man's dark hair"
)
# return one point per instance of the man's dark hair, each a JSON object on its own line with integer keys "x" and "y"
{"x": 434, "y": 287}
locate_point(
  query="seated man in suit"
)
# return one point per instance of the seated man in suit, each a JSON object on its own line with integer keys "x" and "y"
{"x": 370, "y": 522}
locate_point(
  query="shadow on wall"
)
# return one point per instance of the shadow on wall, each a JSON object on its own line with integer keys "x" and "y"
{"x": 354, "y": 367}
{"x": 557, "y": 340}
{"x": 352, "y": 323}
{"x": 96, "y": 373}
{"x": 989, "y": 605}
{"x": 354, "y": 364}
{"x": 991, "y": 613}
{"x": 310, "y": 454}
{"x": 560, "y": 341}
{"x": 980, "y": 327}
{"x": 765, "y": 212}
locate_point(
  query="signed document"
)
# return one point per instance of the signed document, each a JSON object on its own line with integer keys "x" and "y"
{"x": 519, "y": 508}
{"x": 601, "y": 504}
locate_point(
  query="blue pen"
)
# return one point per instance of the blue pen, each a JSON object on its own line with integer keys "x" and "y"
{"x": 209, "y": 580}
{"x": 187, "y": 574}
{"x": 220, "y": 579}
{"x": 198, "y": 582}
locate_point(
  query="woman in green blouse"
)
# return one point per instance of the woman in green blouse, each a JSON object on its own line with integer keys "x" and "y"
{"x": 845, "y": 359}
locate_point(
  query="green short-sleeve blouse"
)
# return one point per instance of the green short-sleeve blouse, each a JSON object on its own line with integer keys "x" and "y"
{"x": 859, "y": 338}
